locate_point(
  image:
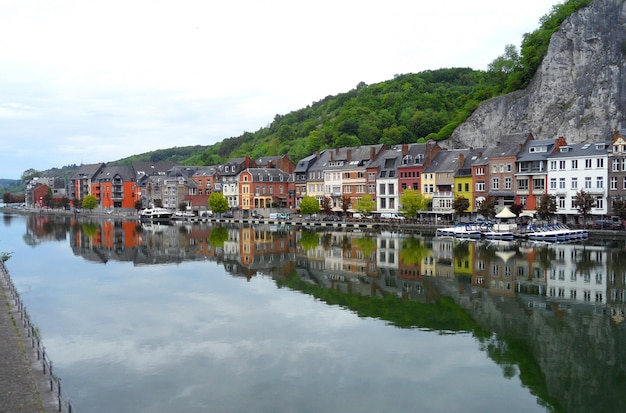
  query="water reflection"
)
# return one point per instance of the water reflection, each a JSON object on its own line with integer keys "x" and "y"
{"x": 553, "y": 315}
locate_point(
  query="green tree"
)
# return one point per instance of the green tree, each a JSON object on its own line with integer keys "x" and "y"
{"x": 619, "y": 208}
{"x": 547, "y": 206}
{"x": 460, "y": 205}
{"x": 309, "y": 205}
{"x": 345, "y": 203}
{"x": 517, "y": 209}
{"x": 90, "y": 202}
{"x": 327, "y": 205}
{"x": 365, "y": 205}
{"x": 217, "y": 203}
{"x": 412, "y": 202}
{"x": 487, "y": 207}
{"x": 182, "y": 206}
{"x": 584, "y": 202}
{"x": 29, "y": 174}
{"x": 7, "y": 198}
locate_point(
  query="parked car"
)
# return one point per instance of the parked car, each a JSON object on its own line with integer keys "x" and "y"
{"x": 256, "y": 215}
{"x": 206, "y": 214}
{"x": 312, "y": 217}
{"x": 228, "y": 215}
{"x": 331, "y": 218}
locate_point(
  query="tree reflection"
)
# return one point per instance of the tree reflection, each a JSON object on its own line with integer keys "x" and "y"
{"x": 413, "y": 251}
{"x": 309, "y": 240}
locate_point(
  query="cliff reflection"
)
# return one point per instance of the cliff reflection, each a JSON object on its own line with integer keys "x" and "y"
{"x": 551, "y": 314}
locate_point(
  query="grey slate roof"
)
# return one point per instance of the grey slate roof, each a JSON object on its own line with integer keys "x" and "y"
{"x": 446, "y": 161}
{"x": 576, "y": 150}
{"x": 127, "y": 173}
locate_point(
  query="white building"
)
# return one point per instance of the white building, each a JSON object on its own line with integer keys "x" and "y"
{"x": 576, "y": 167}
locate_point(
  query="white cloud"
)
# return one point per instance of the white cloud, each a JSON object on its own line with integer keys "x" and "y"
{"x": 137, "y": 76}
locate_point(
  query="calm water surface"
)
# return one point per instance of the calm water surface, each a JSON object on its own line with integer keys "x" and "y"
{"x": 200, "y": 318}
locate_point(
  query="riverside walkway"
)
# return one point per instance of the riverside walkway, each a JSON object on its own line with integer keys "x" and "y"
{"x": 26, "y": 382}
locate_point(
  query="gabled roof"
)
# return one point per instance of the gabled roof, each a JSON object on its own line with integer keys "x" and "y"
{"x": 152, "y": 168}
{"x": 304, "y": 164}
{"x": 536, "y": 150}
{"x": 87, "y": 171}
{"x": 348, "y": 158}
{"x": 581, "y": 150}
{"x": 446, "y": 161}
{"x": 127, "y": 173}
{"x": 268, "y": 175}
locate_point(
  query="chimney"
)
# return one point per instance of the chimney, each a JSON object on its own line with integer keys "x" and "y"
{"x": 405, "y": 149}
{"x": 461, "y": 159}
{"x": 336, "y": 151}
{"x": 372, "y": 153}
{"x": 317, "y": 155}
{"x": 330, "y": 153}
{"x": 349, "y": 155}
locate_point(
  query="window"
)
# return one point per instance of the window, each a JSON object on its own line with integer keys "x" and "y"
{"x": 561, "y": 183}
{"x": 588, "y": 182}
{"x": 480, "y": 186}
{"x": 381, "y": 189}
{"x": 466, "y": 187}
{"x": 615, "y": 165}
{"x": 495, "y": 184}
{"x": 480, "y": 171}
{"x": 539, "y": 183}
{"x": 561, "y": 165}
{"x": 509, "y": 167}
{"x": 599, "y": 182}
{"x": 574, "y": 183}
{"x": 552, "y": 183}
{"x": 508, "y": 183}
{"x": 459, "y": 187}
{"x": 391, "y": 188}
{"x": 600, "y": 202}
{"x": 522, "y": 201}
{"x": 522, "y": 184}
{"x": 587, "y": 163}
{"x": 552, "y": 165}
{"x": 561, "y": 202}
{"x": 600, "y": 163}
{"x": 574, "y": 163}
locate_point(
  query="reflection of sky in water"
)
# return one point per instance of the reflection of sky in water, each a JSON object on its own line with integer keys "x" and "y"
{"x": 191, "y": 338}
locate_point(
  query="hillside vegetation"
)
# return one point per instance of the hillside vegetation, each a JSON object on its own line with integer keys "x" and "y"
{"x": 406, "y": 109}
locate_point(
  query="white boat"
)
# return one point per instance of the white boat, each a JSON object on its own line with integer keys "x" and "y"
{"x": 155, "y": 214}
{"x": 497, "y": 235}
{"x": 468, "y": 231}
{"x": 556, "y": 233}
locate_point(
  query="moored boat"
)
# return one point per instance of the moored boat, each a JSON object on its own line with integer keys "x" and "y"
{"x": 155, "y": 214}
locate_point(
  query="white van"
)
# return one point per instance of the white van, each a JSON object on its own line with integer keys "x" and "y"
{"x": 391, "y": 215}
{"x": 277, "y": 215}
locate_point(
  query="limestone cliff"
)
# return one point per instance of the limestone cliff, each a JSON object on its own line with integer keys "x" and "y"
{"x": 579, "y": 91}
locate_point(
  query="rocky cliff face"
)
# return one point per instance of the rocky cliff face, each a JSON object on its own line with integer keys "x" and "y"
{"x": 579, "y": 91}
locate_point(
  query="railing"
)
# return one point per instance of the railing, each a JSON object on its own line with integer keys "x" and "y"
{"x": 64, "y": 405}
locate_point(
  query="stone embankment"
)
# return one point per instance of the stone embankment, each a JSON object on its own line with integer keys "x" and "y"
{"x": 27, "y": 382}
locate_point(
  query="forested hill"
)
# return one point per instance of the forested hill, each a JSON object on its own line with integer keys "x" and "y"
{"x": 408, "y": 108}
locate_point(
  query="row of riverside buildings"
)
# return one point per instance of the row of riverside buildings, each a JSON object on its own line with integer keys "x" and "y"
{"x": 519, "y": 169}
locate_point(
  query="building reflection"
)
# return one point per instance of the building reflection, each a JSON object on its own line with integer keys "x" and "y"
{"x": 565, "y": 302}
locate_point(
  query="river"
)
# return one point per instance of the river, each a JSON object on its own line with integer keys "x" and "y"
{"x": 197, "y": 318}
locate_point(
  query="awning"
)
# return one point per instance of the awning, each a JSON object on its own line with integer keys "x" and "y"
{"x": 505, "y": 213}
{"x": 528, "y": 213}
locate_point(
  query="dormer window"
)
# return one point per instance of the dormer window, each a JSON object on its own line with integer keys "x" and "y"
{"x": 226, "y": 168}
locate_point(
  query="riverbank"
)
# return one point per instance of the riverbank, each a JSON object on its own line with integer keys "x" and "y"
{"x": 345, "y": 224}
{"x": 27, "y": 384}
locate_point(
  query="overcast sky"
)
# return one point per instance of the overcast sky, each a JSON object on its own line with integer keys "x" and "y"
{"x": 96, "y": 81}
